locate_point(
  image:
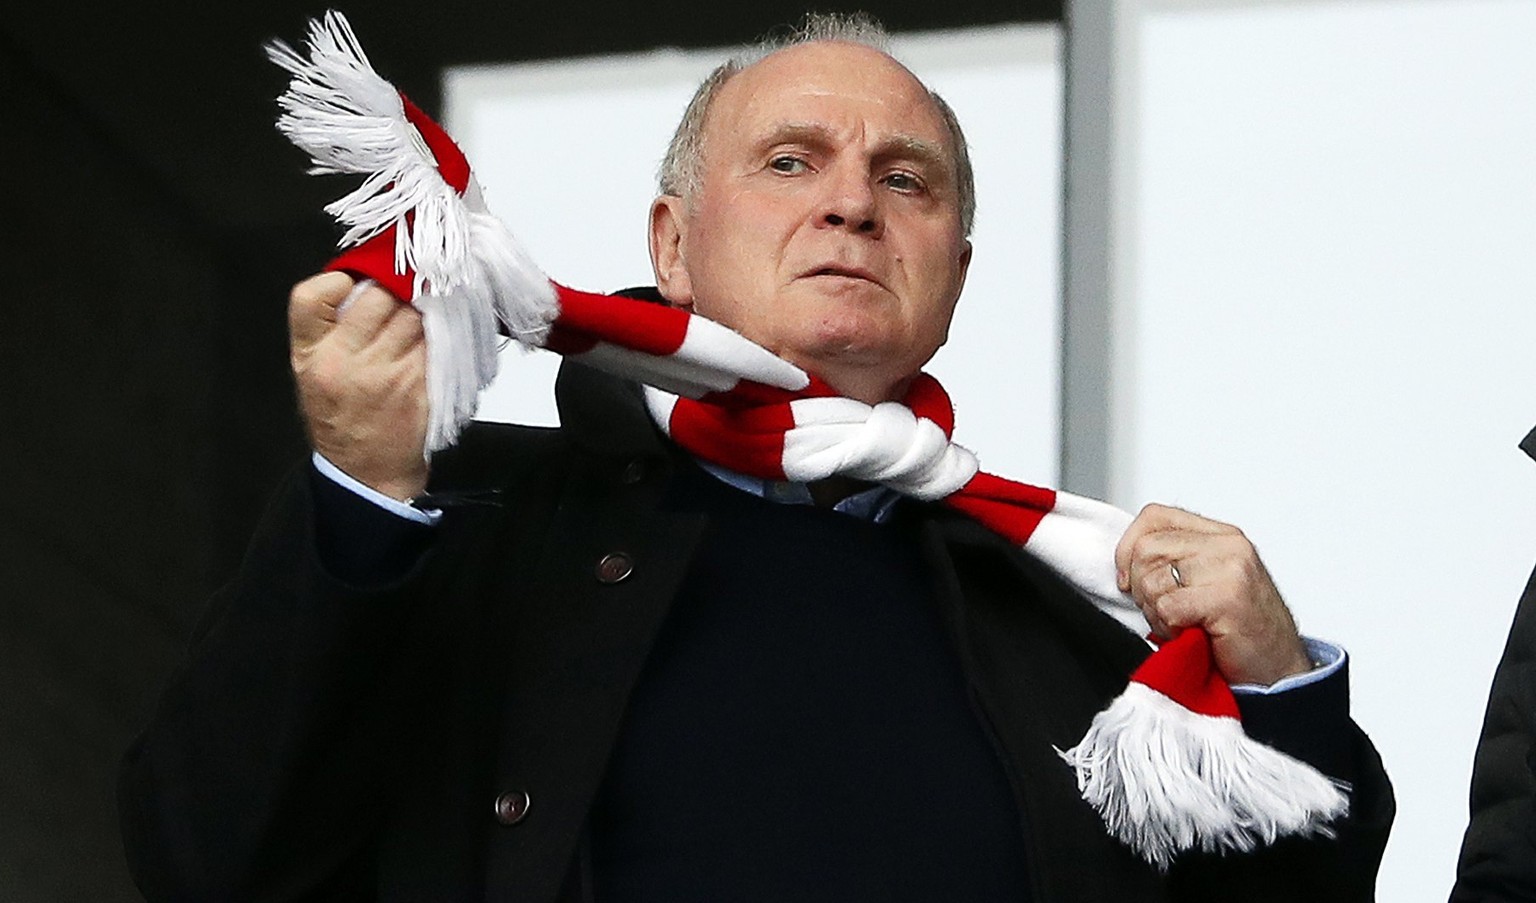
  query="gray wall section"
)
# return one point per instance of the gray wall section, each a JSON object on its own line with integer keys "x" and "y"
{"x": 1087, "y": 284}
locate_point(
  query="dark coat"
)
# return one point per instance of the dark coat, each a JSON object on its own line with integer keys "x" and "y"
{"x": 1498, "y": 853}
{"x": 334, "y": 742}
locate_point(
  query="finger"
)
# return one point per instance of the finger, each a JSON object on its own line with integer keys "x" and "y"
{"x": 1202, "y": 560}
{"x": 367, "y": 312}
{"x": 1150, "y": 520}
{"x": 401, "y": 334}
{"x": 1168, "y": 560}
{"x": 312, "y": 305}
{"x": 1251, "y": 645}
{"x": 1150, "y": 585}
{"x": 1159, "y": 578}
{"x": 1152, "y": 553}
{"x": 1147, "y": 580}
{"x": 1183, "y": 607}
{"x": 1154, "y": 518}
{"x": 1157, "y": 520}
{"x": 1156, "y": 624}
{"x": 358, "y": 288}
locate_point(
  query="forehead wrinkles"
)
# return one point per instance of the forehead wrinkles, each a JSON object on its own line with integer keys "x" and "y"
{"x": 799, "y": 100}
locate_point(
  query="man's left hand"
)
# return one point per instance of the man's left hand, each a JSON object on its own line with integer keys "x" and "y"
{"x": 1184, "y": 570}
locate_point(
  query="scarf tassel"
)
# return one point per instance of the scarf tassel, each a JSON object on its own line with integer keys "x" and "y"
{"x": 1169, "y": 769}
{"x": 418, "y": 223}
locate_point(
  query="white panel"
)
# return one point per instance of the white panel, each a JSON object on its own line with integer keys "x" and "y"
{"x": 1333, "y": 322}
{"x": 567, "y": 152}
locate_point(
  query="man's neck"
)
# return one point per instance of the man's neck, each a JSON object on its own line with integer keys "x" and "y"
{"x": 859, "y": 383}
{"x": 827, "y": 493}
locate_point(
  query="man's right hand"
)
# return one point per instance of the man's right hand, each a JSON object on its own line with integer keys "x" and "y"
{"x": 361, "y": 374}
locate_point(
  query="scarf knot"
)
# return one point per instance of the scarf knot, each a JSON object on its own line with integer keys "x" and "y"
{"x": 811, "y": 437}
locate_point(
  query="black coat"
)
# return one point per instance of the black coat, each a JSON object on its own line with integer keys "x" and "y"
{"x": 1498, "y": 853}
{"x": 329, "y": 741}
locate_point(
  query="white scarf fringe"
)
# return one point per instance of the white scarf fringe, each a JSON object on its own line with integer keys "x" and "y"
{"x": 1167, "y": 780}
{"x": 471, "y": 275}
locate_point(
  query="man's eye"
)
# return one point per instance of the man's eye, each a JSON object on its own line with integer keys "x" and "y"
{"x": 787, "y": 164}
{"x": 903, "y": 181}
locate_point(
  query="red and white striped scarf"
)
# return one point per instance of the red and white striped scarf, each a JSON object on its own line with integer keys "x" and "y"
{"x": 1166, "y": 765}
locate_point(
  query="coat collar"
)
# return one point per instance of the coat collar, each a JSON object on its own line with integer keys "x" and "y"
{"x": 604, "y": 414}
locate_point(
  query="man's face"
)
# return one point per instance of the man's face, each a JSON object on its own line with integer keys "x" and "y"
{"x": 826, "y": 226}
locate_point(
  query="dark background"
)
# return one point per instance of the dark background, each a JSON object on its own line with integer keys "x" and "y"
{"x": 151, "y": 223}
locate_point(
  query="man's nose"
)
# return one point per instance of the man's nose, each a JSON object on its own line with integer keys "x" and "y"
{"x": 850, "y": 203}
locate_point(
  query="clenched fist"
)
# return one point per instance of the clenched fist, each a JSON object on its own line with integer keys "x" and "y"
{"x": 1185, "y": 570}
{"x": 359, "y": 357}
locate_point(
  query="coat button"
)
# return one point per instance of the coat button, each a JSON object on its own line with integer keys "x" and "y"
{"x": 614, "y": 568}
{"x": 511, "y": 807}
{"x": 633, "y": 472}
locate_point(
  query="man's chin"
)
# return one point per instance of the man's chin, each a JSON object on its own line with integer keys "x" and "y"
{"x": 828, "y": 351}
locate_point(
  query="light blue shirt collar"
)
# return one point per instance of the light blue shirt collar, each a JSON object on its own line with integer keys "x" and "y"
{"x": 875, "y": 504}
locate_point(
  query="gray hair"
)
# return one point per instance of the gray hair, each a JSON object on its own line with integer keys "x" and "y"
{"x": 681, "y": 168}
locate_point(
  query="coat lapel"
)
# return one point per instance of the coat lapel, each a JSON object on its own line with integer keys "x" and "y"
{"x": 611, "y": 563}
{"x": 1041, "y": 662}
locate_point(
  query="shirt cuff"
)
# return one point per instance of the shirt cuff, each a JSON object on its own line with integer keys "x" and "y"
{"x": 1327, "y": 660}
{"x": 394, "y": 506}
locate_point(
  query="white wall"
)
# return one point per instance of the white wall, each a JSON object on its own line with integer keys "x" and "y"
{"x": 1332, "y": 322}
{"x": 567, "y": 153}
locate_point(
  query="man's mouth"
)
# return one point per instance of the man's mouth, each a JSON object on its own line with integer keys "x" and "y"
{"x": 846, "y": 272}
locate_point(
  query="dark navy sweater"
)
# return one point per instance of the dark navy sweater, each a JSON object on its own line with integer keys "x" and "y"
{"x": 803, "y": 730}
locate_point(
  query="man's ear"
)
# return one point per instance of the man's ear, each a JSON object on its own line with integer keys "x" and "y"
{"x": 963, "y": 267}
{"x": 669, "y": 225}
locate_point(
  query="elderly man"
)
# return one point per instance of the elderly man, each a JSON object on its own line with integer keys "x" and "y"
{"x": 613, "y": 671}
